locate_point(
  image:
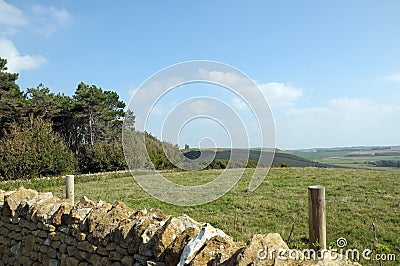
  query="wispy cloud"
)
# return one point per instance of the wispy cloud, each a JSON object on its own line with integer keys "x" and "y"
{"x": 393, "y": 77}
{"x": 48, "y": 19}
{"x": 42, "y": 20}
{"x": 11, "y": 18}
{"x": 17, "y": 62}
{"x": 11, "y": 15}
{"x": 157, "y": 110}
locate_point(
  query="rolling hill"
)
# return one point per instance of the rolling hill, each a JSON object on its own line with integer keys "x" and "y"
{"x": 281, "y": 158}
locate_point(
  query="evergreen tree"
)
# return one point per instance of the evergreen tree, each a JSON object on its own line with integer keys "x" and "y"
{"x": 12, "y": 101}
{"x": 98, "y": 114}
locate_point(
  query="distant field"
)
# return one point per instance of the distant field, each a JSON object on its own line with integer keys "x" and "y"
{"x": 355, "y": 199}
{"x": 352, "y": 157}
{"x": 316, "y": 156}
{"x": 359, "y": 161}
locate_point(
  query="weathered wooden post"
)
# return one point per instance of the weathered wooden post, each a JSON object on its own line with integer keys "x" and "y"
{"x": 70, "y": 188}
{"x": 317, "y": 217}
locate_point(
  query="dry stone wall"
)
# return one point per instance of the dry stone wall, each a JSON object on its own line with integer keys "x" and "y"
{"x": 41, "y": 229}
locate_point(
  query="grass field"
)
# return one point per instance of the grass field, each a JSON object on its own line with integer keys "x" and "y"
{"x": 339, "y": 158}
{"x": 357, "y": 162}
{"x": 355, "y": 199}
{"x": 316, "y": 156}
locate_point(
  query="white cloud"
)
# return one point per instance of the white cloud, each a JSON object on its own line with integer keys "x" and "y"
{"x": 342, "y": 122}
{"x": 280, "y": 94}
{"x": 394, "y": 77}
{"x": 152, "y": 89}
{"x": 233, "y": 80}
{"x": 350, "y": 103}
{"x": 43, "y": 20}
{"x": 239, "y": 104}
{"x": 11, "y": 15}
{"x": 142, "y": 99}
{"x": 201, "y": 107}
{"x": 16, "y": 62}
{"x": 306, "y": 112}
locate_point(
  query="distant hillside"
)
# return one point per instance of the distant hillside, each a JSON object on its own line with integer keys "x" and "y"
{"x": 296, "y": 161}
{"x": 281, "y": 158}
{"x": 391, "y": 151}
{"x": 355, "y": 157}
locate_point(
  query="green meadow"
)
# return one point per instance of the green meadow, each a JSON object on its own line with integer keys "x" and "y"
{"x": 361, "y": 204}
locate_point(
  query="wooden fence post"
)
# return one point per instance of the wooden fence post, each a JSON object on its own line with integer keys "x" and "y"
{"x": 317, "y": 217}
{"x": 70, "y": 188}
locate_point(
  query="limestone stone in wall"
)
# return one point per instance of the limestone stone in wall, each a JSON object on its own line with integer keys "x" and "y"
{"x": 169, "y": 232}
{"x": 2, "y": 195}
{"x": 26, "y": 207}
{"x": 105, "y": 219}
{"x": 173, "y": 252}
{"x": 12, "y": 200}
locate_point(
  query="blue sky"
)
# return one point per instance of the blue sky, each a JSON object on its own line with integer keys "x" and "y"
{"x": 330, "y": 69}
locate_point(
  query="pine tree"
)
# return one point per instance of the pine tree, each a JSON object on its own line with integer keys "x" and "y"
{"x": 12, "y": 101}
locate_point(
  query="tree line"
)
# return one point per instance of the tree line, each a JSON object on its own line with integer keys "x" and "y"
{"x": 385, "y": 163}
{"x": 43, "y": 133}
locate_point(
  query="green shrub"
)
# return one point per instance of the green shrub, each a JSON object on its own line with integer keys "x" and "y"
{"x": 103, "y": 156}
{"x": 33, "y": 150}
{"x": 284, "y": 164}
{"x": 156, "y": 153}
